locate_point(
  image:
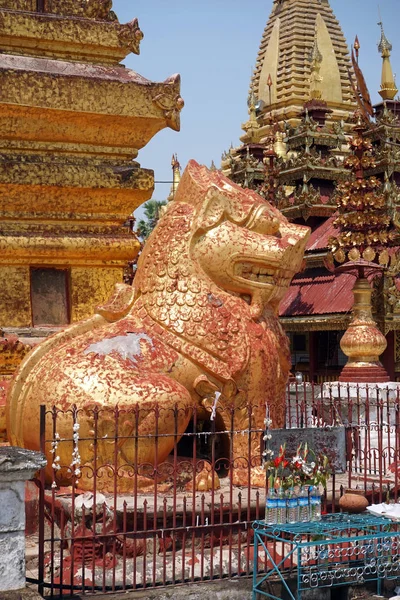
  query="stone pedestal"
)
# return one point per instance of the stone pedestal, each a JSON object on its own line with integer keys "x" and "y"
{"x": 16, "y": 467}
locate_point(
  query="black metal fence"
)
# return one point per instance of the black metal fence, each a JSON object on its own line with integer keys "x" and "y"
{"x": 122, "y": 521}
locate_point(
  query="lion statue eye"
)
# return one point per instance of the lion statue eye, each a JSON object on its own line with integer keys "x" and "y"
{"x": 262, "y": 221}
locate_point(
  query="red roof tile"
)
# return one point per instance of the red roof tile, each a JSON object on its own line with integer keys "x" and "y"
{"x": 318, "y": 292}
{"x": 318, "y": 239}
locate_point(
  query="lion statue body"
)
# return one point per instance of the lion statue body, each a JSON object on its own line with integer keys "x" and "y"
{"x": 200, "y": 318}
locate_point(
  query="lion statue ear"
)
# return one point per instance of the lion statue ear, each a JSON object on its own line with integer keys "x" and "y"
{"x": 213, "y": 209}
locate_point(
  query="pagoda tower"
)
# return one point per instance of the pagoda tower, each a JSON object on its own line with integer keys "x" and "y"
{"x": 303, "y": 56}
{"x": 303, "y": 97}
{"x": 283, "y": 72}
{"x": 72, "y": 120}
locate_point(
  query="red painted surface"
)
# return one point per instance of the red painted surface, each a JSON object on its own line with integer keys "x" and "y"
{"x": 31, "y": 508}
{"x": 367, "y": 374}
{"x": 318, "y": 292}
{"x": 313, "y": 353}
{"x": 388, "y": 356}
{"x": 318, "y": 239}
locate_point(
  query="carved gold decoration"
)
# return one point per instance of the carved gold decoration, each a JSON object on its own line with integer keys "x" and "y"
{"x": 90, "y": 9}
{"x": 130, "y": 36}
{"x": 354, "y": 254}
{"x": 340, "y": 255}
{"x": 369, "y": 254}
{"x": 315, "y": 78}
{"x": 171, "y": 102}
{"x": 362, "y": 342}
{"x": 12, "y": 352}
{"x": 82, "y": 40}
{"x": 202, "y": 318}
{"x": 384, "y": 257}
{"x": 391, "y": 291}
{"x": 29, "y": 5}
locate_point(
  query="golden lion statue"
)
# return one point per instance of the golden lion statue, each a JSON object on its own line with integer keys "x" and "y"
{"x": 200, "y": 318}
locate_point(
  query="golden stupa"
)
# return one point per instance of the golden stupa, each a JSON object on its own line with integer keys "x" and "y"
{"x": 281, "y": 79}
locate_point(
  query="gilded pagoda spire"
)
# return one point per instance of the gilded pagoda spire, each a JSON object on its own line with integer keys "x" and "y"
{"x": 298, "y": 29}
{"x": 251, "y": 126}
{"x": 176, "y": 176}
{"x": 388, "y": 89}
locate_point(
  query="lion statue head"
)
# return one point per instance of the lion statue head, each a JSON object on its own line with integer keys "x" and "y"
{"x": 219, "y": 257}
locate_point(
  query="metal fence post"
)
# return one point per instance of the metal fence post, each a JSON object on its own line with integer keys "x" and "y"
{"x": 41, "y": 503}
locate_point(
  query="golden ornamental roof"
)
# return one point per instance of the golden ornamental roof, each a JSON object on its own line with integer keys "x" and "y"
{"x": 295, "y": 30}
{"x": 74, "y": 30}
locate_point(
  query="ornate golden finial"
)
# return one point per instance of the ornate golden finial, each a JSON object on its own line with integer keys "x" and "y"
{"x": 279, "y": 144}
{"x": 315, "y": 77}
{"x": 356, "y": 47}
{"x": 388, "y": 89}
{"x": 252, "y": 124}
{"x": 252, "y": 102}
{"x": 269, "y": 84}
{"x": 176, "y": 176}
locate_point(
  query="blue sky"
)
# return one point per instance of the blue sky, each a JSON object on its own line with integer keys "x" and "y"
{"x": 213, "y": 44}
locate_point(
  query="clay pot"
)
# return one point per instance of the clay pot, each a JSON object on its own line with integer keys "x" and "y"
{"x": 353, "y": 501}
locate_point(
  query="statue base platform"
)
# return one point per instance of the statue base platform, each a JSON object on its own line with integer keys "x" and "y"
{"x": 24, "y": 594}
{"x": 368, "y": 373}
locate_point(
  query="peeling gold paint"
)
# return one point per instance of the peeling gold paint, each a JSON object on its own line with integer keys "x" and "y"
{"x": 91, "y": 287}
{"x": 15, "y": 302}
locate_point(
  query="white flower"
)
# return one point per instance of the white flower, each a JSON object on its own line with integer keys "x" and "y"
{"x": 267, "y": 422}
{"x": 53, "y": 485}
{"x": 57, "y": 436}
{"x": 77, "y": 472}
{"x": 76, "y": 427}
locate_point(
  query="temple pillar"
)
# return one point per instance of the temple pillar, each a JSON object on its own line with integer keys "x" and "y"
{"x": 312, "y": 351}
{"x": 16, "y": 467}
{"x": 388, "y": 357}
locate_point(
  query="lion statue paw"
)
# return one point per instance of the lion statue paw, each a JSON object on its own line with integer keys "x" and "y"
{"x": 257, "y": 477}
{"x": 206, "y": 480}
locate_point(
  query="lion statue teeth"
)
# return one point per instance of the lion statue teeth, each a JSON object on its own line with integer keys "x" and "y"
{"x": 200, "y": 318}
